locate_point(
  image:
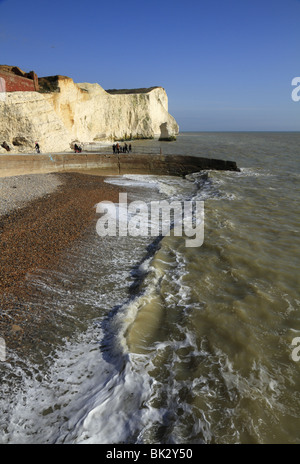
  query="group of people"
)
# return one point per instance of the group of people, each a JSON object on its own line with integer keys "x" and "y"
{"x": 7, "y": 147}
{"x": 117, "y": 148}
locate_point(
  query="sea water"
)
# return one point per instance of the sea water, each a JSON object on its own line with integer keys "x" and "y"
{"x": 162, "y": 343}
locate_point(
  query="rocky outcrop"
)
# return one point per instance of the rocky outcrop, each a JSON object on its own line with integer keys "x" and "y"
{"x": 166, "y": 132}
{"x": 64, "y": 112}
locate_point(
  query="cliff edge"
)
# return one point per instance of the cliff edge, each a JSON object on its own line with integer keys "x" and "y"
{"x": 63, "y": 112}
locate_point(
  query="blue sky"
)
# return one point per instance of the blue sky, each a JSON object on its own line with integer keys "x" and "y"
{"x": 225, "y": 64}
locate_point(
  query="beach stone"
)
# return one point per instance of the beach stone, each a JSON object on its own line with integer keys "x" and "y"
{"x": 16, "y": 329}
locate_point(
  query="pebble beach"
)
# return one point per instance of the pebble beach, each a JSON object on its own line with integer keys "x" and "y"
{"x": 41, "y": 215}
{"x": 17, "y": 191}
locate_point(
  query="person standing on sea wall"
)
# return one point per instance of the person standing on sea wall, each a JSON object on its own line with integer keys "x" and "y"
{"x": 37, "y": 147}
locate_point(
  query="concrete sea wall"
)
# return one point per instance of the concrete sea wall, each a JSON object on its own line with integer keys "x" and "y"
{"x": 111, "y": 164}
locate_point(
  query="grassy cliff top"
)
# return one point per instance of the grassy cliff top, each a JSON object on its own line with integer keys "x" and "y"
{"x": 129, "y": 91}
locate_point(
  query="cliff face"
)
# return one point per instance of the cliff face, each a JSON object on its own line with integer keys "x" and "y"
{"x": 64, "y": 112}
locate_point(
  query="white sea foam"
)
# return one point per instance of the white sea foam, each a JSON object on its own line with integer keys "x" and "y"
{"x": 133, "y": 181}
{"x": 169, "y": 186}
{"x": 82, "y": 399}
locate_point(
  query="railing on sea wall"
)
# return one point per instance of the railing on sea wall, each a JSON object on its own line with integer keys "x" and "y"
{"x": 139, "y": 149}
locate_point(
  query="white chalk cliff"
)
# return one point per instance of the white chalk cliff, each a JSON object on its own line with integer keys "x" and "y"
{"x": 85, "y": 113}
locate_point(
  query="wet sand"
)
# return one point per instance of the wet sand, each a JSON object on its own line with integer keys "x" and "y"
{"x": 34, "y": 235}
